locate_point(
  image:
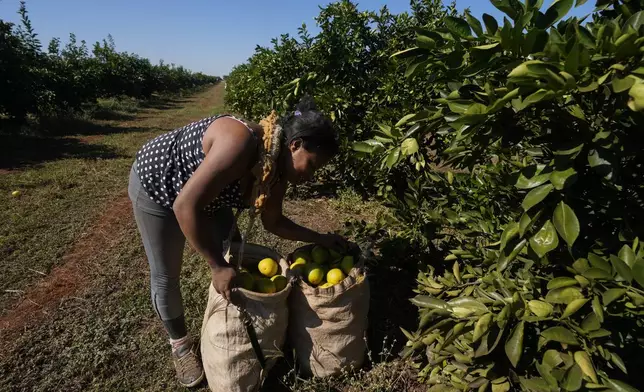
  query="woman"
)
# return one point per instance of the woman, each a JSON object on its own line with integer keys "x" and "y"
{"x": 184, "y": 184}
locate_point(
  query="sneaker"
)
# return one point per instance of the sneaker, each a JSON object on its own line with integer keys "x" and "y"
{"x": 188, "y": 366}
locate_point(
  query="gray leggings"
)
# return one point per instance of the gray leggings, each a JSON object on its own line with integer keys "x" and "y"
{"x": 164, "y": 241}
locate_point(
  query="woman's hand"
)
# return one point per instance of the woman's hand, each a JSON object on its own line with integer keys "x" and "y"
{"x": 334, "y": 241}
{"x": 222, "y": 280}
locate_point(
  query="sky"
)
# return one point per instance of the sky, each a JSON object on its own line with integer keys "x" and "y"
{"x": 210, "y": 36}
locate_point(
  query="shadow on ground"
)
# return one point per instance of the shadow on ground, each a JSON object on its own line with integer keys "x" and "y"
{"x": 17, "y": 151}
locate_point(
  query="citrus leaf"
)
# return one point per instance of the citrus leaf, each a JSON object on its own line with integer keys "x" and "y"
{"x": 393, "y": 157}
{"x": 545, "y": 240}
{"x": 514, "y": 344}
{"x": 510, "y": 231}
{"x": 622, "y": 84}
{"x": 368, "y": 146}
{"x": 598, "y": 262}
{"x": 409, "y": 146}
{"x": 407, "y": 53}
{"x": 458, "y": 26}
{"x": 474, "y": 24}
{"x": 528, "y": 183}
{"x": 425, "y": 301}
{"x": 425, "y": 42}
{"x": 491, "y": 24}
{"x": 469, "y": 303}
{"x": 623, "y": 271}
{"x": 556, "y": 11}
{"x": 583, "y": 360}
{"x": 591, "y": 323}
{"x": 611, "y": 295}
{"x": 562, "y": 281}
{"x": 573, "y": 307}
{"x": 627, "y": 255}
{"x": 540, "y": 308}
{"x": 560, "y": 334}
{"x": 598, "y": 309}
{"x": 600, "y": 333}
{"x": 636, "y": 103}
{"x": 564, "y": 295}
{"x": 597, "y": 273}
{"x": 405, "y": 120}
{"x": 482, "y": 326}
{"x": 535, "y": 384}
{"x": 566, "y": 223}
{"x": 618, "y": 361}
{"x": 535, "y": 196}
{"x": 619, "y": 386}
{"x": 638, "y": 271}
{"x": 563, "y": 179}
{"x": 636, "y": 20}
{"x": 573, "y": 378}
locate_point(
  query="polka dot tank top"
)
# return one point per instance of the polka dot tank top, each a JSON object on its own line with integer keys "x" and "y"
{"x": 165, "y": 163}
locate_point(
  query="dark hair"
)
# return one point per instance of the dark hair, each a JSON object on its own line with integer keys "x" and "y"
{"x": 314, "y": 128}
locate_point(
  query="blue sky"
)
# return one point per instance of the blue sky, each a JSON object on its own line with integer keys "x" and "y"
{"x": 203, "y": 35}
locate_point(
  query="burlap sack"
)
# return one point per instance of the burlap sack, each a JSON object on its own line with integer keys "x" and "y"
{"x": 229, "y": 361}
{"x": 327, "y": 327}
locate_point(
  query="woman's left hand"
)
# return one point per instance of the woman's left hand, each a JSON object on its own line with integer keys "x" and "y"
{"x": 335, "y": 242}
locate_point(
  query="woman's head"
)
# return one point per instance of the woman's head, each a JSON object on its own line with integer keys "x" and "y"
{"x": 310, "y": 141}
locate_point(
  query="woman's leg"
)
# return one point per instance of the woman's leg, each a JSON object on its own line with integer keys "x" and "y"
{"x": 164, "y": 242}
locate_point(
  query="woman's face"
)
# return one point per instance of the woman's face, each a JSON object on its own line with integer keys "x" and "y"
{"x": 302, "y": 163}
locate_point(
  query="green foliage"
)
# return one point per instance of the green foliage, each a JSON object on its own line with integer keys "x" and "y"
{"x": 509, "y": 149}
{"x": 62, "y": 79}
{"x": 551, "y": 106}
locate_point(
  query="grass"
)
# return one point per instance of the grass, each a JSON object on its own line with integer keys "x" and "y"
{"x": 75, "y": 308}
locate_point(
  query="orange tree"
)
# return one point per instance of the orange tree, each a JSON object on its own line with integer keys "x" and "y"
{"x": 535, "y": 127}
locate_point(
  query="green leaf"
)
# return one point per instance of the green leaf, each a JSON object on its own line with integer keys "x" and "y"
{"x": 619, "y": 386}
{"x": 507, "y": 7}
{"x": 557, "y": 10}
{"x": 458, "y": 26}
{"x": 566, "y": 223}
{"x": 627, "y": 255}
{"x": 425, "y": 301}
{"x": 573, "y": 378}
{"x": 514, "y": 344}
{"x": 385, "y": 129}
{"x": 535, "y": 384}
{"x": 611, "y": 295}
{"x": 545, "y": 240}
{"x": 601, "y": 165}
{"x": 561, "y": 281}
{"x": 540, "y": 308}
{"x": 600, "y": 333}
{"x": 405, "y": 120}
{"x": 618, "y": 361}
{"x": 500, "y": 103}
{"x": 598, "y": 309}
{"x": 537, "y": 96}
{"x": 580, "y": 3}
{"x": 563, "y": 179}
{"x": 510, "y": 231}
{"x": 560, "y": 334}
{"x": 598, "y": 262}
{"x": 635, "y": 21}
{"x": 482, "y": 326}
{"x": 486, "y": 47}
{"x": 459, "y": 107}
{"x": 591, "y": 323}
{"x": 597, "y": 273}
{"x": 622, "y": 84}
{"x": 526, "y": 222}
{"x": 638, "y": 271}
{"x": 572, "y": 59}
{"x": 407, "y": 53}
{"x": 425, "y": 42}
{"x": 474, "y": 24}
{"x": 409, "y": 146}
{"x": 491, "y": 24}
{"x": 573, "y": 307}
{"x": 471, "y": 304}
{"x": 528, "y": 183}
{"x": 623, "y": 270}
{"x": 393, "y": 157}
{"x": 583, "y": 360}
{"x": 368, "y": 146}
{"x": 564, "y": 295}
{"x": 636, "y": 103}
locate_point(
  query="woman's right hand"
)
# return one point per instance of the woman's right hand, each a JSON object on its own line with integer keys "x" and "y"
{"x": 222, "y": 280}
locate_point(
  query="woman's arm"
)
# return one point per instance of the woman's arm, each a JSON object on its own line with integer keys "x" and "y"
{"x": 274, "y": 221}
{"x": 229, "y": 149}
